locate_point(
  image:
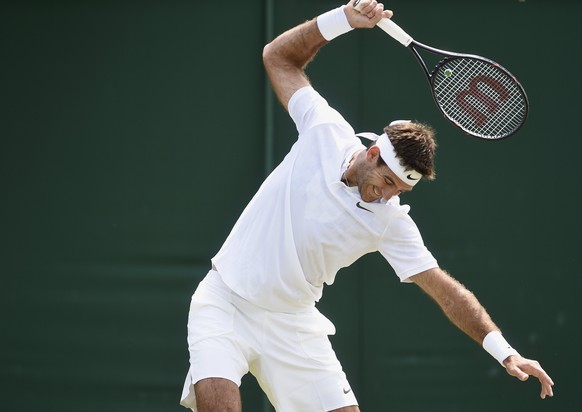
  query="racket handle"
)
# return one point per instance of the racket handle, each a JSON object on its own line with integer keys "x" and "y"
{"x": 391, "y": 28}
{"x": 395, "y": 31}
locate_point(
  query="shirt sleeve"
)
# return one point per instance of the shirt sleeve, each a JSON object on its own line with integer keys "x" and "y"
{"x": 309, "y": 109}
{"x": 403, "y": 247}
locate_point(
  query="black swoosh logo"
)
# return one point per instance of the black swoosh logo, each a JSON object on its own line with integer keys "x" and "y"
{"x": 412, "y": 178}
{"x": 363, "y": 208}
{"x": 346, "y": 391}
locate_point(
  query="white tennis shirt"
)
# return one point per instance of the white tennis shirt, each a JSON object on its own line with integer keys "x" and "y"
{"x": 303, "y": 225}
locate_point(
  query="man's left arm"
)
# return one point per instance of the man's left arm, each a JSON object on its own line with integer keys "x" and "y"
{"x": 464, "y": 310}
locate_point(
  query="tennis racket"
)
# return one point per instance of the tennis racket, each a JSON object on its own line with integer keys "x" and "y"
{"x": 476, "y": 94}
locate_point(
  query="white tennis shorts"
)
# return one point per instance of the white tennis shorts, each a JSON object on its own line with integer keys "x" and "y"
{"x": 289, "y": 354}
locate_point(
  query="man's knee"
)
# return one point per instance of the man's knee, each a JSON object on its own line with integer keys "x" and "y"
{"x": 217, "y": 395}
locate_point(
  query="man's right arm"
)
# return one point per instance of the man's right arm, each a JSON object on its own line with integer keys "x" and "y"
{"x": 286, "y": 57}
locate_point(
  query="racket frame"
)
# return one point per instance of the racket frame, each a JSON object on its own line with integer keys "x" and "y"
{"x": 397, "y": 33}
{"x": 448, "y": 55}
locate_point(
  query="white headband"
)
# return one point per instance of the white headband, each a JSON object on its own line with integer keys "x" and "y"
{"x": 389, "y": 156}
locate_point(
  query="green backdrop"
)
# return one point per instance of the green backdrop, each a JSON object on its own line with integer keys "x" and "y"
{"x": 133, "y": 134}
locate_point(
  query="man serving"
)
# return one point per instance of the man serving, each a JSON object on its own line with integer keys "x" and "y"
{"x": 329, "y": 202}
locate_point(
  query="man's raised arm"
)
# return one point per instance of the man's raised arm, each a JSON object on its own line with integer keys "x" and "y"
{"x": 286, "y": 57}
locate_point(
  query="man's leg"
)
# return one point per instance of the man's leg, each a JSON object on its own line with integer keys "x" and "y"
{"x": 217, "y": 395}
{"x": 347, "y": 409}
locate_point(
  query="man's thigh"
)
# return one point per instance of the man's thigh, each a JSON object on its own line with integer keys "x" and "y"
{"x": 298, "y": 368}
{"x": 222, "y": 395}
{"x": 215, "y": 351}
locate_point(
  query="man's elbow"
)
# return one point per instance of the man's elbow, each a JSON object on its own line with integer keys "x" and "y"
{"x": 268, "y": 55}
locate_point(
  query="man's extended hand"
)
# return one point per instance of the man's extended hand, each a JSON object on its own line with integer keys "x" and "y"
{"x": 522, "y": 368}
{"x": 371, "y": 12}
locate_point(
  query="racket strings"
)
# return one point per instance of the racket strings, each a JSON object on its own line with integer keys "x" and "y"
{"x": 479, "y": 96}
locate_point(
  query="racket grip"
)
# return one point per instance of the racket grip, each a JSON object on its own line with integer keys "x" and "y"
{"x": 395, "y": 31}
{"x": 391, "y": 28}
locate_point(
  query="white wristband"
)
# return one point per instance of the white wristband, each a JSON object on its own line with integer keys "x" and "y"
{"x": 333, "y": 23}
{"x": 497, "y": 346}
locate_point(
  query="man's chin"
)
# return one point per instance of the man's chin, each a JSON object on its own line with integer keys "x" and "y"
{"x": 368, "y": 199}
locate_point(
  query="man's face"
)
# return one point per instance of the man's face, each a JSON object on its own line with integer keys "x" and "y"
{"x": 378, "y": 181}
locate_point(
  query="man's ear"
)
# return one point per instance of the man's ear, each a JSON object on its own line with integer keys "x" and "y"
{"x": 373, "y": 153}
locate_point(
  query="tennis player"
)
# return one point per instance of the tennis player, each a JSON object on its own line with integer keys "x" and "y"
{"x": 329, "y": 202}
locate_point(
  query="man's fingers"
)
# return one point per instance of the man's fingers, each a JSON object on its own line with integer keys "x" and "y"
{"x": 366, "y": 8}
{"x": 371, "y": 9}
{"x": 547, "y": 389}
{"x": 368, "y": 13}
{"x": 379, "y": 13}
{"x": 517, "y": 372}
{"x": 522, "y": 371}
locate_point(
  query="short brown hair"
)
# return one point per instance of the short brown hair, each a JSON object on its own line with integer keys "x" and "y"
{"x": 415, "y": 145}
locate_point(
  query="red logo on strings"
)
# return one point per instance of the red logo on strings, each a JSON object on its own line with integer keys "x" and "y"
{"x": 490, "y": 104}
